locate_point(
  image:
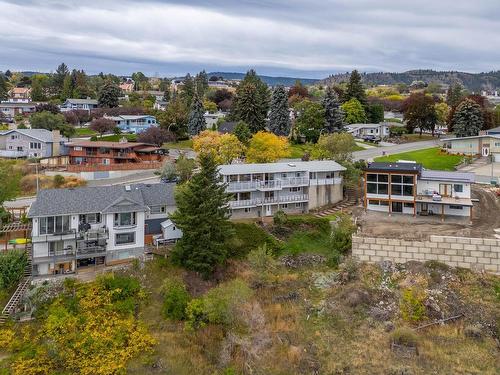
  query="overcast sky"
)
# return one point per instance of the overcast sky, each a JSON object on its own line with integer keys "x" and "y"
{"x": 306, "y": 38}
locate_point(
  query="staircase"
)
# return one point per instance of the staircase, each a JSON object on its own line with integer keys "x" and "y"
{"x": 350, "y": 200}
{"x": 23, "y": 286}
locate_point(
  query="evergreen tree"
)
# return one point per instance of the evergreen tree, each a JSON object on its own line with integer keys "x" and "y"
{"x": 334, "y": 114}
{"x": 188, "y": 90}
{"x": 279, "y": 115}
{"x": 375, "y": 113}
{"x": 67, "y": 89}
{"x": 203, "y": 216}
{"x": 201, "y": 81}
{"x": 3, "y": 88}
{"x": 109, "y": 95}
{"x": 61, "y": 72}
{"x": 468, "y": 119}
{"x": 196, "y": 122}
{"x": 355, "y": 88}
{"x": 455, "y": 94}
{"x": 251, "y": 103}
{"x": 37, "y": 92}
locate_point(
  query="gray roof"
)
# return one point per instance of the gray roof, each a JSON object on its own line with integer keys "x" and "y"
{"x": 102, "y": 199}
{"x": 393, "y": 166}
{"x": 296, "y": 166}
{"x": 495, "y": 130}
{"x": 82, "y": 101}
{"x": 40, "y": 134}
{"x": 447, "y": 176}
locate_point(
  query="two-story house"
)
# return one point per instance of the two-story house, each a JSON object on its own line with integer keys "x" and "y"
{"x": 19, "y": 95}
{"x": 295, "y": 187}
{"x": 133, "y": 123}
{"x": 31, "y": 143}
{"x": 407, "y": 188}
{"x": 111, "y": 153}
{"x": 79, "y": 104}
{"x": 10, "y": 109}
{"x": 83, "y": 227}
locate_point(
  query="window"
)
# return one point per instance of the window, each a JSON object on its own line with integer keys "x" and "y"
{"x": 384, "y": 203}
{"x": 248, "y": 209}
{"x": 245, "y": 196}
{"x": 105, "y": 161}
{"x": 297, "y": 174}
{"x": 245, "y": 177}
{"x": 402, "y": 185}
{"x": 497, "y": 144}
{"x": 458, "y": 188}
{"x": 124, "y": 219}
{"x": 408, "y": 204}
{"x": 453, "y": 207}
{"x": 294, "y": 189}
{"x": 56, "y": 246}
{"x": 35, "y": 145}
{"x": 373, "y": 202}
{"x": 233, "y": 178}
{"x": 158, "y": 209}
{"x": 298, "y": 205}
{"x": 283, "y": 175}
{"x": 284, "y": 205}
{"x": 125, "y": 238}
{"x": 54, "y": 224}
{"x": 93, "y": 218}
{"x": 77, "y": 148}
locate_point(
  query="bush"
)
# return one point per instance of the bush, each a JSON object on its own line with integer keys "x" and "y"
{"x": 412, "y": 305}
{"x": 125, "y": 290}
{"x": 261, "y": 259}
{"x": 58, "y": 181}
{"x": 280, "y": 218}
{"x": 405, "y": 336}
{"x": 342, "y": 234}
{"x": 397, "y": 131}
{"x": 248, "y": 237}
{"x": 176, "y": 299}
{"x": 218, "y": 306}
{"x": 12, "y": 265}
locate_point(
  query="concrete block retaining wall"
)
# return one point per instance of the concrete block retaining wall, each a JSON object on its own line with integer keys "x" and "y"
{"x": 478, "y": 254}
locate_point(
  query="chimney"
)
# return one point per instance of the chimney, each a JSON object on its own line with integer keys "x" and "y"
{"x": 56, "y": 142}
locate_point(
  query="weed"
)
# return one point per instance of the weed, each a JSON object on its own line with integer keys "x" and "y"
{"x": 412, "y": 305}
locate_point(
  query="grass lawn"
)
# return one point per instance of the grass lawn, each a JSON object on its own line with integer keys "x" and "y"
{"x": 418, "y": 137}
{"x": 297, "y": 150}
{"x": 84, "y": 132}
{"x": 117, "y": 137}
{"x": 181, "y": 145}
{"x": 431, "y": 158}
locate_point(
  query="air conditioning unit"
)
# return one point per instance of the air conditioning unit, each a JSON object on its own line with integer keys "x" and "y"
{"x": 436, "y": 197}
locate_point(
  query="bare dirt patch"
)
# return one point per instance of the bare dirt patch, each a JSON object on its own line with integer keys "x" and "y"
{"x": 486, "y": 218}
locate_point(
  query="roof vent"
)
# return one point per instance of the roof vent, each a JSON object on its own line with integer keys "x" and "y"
{"x": 292, "y": 165}
{"x": 128, "y": 188}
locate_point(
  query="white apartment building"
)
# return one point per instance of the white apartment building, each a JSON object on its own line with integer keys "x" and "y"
{"x": 85, "y": 227}
{"x": 261, "y": 190}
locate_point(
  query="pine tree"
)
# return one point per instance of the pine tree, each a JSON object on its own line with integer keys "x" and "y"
{"x": 188, "y": 90}
{"x": 355, "y": 88}
{"x": 109, "y": 95}
{"x": 201, "y": 81}
{"x": 251, "y": 103}
{"x": 67, "y": 89}
{"x": 3, "y": 88}
{"x": 455, "y": 94}
{"x": 203, "y": 216}
{"x": 279, "y": 116}
{"x": 468, "y": 119}
{"x": 196, "y": 122}
{"x": 61, "y": 72}
{"x": 334, "y": 114}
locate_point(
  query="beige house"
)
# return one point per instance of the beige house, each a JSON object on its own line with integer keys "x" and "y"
{"x": 481, "y": 145}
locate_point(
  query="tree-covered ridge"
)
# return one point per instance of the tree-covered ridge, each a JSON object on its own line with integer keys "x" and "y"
{"x": 471, "y": 81}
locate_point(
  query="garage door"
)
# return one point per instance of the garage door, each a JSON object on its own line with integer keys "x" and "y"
{"x": 496, "y": 158}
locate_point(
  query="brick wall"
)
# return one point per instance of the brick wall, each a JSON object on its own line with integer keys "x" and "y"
{"x": 473, "y": 253}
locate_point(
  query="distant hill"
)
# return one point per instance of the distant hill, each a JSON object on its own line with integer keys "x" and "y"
{"x": 472, "y": 81}
{"x": 271, "y": 81}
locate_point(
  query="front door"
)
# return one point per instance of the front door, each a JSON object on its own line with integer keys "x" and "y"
{"x": 445, "y": 190}
{"x": 269, "y": 211}
{"x": 397, "y": 207}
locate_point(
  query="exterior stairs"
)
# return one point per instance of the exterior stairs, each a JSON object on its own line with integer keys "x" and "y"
{"x": 350, "y": 200}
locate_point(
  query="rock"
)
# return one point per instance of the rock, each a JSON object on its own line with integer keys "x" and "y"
{"x": 301, "y": 260}
{"x": 324, "y": 280}
{"x": 474, "y": 331}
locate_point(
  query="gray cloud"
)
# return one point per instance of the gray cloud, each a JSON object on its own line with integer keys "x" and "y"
{"x": 308, "y": 38}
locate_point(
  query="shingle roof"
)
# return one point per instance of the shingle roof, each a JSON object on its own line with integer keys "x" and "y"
{"x": 296, "y": 166}
{"x": 40, "y": 134}
{"x": 447, "y": 176}
{"x": 102, "y": 199}
{"x": 82, "y": 101}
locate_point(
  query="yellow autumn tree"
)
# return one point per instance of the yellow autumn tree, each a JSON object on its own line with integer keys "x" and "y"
{"x": 223, "y": 147}
{"x": 267, "y": 147}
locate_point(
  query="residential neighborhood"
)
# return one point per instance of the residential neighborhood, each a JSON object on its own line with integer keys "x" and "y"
{"x": 243, "y": 188}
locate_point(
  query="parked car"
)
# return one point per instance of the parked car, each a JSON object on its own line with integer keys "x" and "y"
{"x": 370, "y": 138}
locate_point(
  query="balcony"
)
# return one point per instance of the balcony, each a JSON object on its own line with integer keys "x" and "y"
{"x": 57, "y": 236}
{"x": 93, "y": 234}
{"x": 295, "y": 181}
{"x": 326, "y": 181}
{"x": 269, "y": 185}
{"x": 242, "y": 186}
{"x": 274, "y": 200}
{"x": 245, "y": 203}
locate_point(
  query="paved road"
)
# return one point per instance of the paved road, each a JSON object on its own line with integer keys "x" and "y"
{"x": 371, "y": 153}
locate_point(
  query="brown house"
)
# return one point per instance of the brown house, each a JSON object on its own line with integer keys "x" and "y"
{"x": 112, "y": 153}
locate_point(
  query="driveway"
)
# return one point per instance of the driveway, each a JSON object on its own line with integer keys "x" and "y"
{"x": 371, "y": 153}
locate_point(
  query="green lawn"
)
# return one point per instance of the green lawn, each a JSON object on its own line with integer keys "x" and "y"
{"x": 418, "y": 137}
{"x": 299, "y": 149}
{"x": 182, "y": 145}
{"x": 84, "y": 132}
{"x": 117, "y": 137}
{"x": 431, "y": 158}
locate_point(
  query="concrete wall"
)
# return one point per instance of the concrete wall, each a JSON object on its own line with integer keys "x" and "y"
{"x": 472, "y": 253}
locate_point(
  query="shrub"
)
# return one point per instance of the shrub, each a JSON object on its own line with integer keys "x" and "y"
{"x": 397, "y": 131}
{"x": 405, "y": 336}
{"x": 279, "y": 218}
{"x": 176, "y": 299}
{"x": 195, "y": 314}
{"x": 125, "y": 290}
{"x": 342, "y": 234}
{"x": 261, "y": 259}
{"x": 12, "y": 265}
{"x": 412, "y": 305}
{"x": 58, "y": 181}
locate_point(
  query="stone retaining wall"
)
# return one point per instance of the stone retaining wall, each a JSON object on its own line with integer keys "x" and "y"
{"x": 474, "y": 253}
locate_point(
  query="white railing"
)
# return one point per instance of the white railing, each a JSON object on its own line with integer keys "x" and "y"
{"x": 295, "y": 181}
{"x": 270, "y": 184}
{"x": 242, "y": 186}
{"x": 326, "y": 181}
{"x": 274, "y": 200}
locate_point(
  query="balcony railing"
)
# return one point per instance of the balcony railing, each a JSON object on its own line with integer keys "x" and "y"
{"x": 58, "y": 236}
{"x": 295, "y": 181}
{"x": 94, "y": 234}
{"x": 62, "y": 253}
{"x": 326, "y": 181}
{"x": 267, "y": 185}
{"x": 242, "y": 186}
{"x": 274, "y": 200}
